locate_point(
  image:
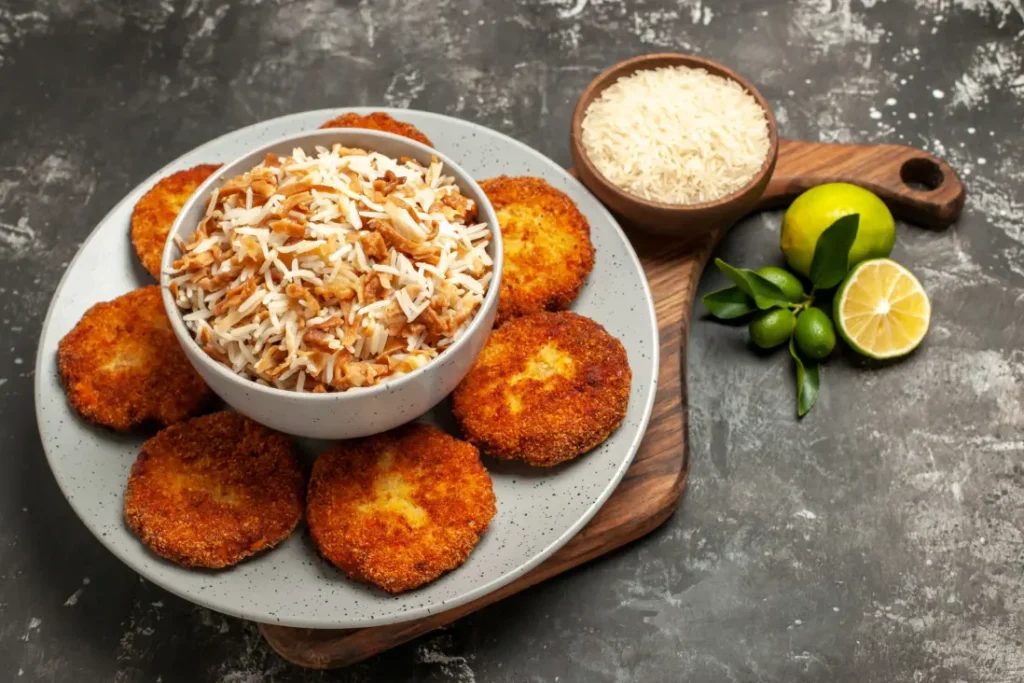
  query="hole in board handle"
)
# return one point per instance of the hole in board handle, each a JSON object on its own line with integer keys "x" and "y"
{"x": 922, "y": 175}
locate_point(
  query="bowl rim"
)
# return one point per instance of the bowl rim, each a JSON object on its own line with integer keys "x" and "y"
{"x": 634, "y": 64}
{"x": 387, "y": 386}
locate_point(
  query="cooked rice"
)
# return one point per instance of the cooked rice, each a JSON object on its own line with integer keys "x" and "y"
{"x": 327, "y": 272}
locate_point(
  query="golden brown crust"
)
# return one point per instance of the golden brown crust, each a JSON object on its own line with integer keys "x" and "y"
{"x": 154, "y": 214}
{"x": 546, "y": 239}
{"x": 121, "y": 365}
{"x": 378, "y": 120}
{"x": 546, "y": 388}
{"x": 214, "y": 490}
{"x": 400, "y": 508}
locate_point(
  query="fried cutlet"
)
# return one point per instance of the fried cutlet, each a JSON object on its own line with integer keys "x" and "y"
{"x": 214, "y": 490}
{"x": 378, "y": 120}
{"x": 545, "y": 388}
{"x": 400, "y": 508}
{"x": 154, "y": 214}
{"x": 548, "y": 253}
{"x": 122, "y": 366}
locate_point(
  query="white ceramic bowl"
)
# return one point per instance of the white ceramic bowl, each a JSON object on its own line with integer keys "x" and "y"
{"x": 356, "y": 412}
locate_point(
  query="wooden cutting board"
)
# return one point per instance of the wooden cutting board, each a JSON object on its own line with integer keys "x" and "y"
{"x": 917, "y": 187}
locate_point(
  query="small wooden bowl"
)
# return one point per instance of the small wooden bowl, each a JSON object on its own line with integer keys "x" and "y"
{"x": 685, "y": 221}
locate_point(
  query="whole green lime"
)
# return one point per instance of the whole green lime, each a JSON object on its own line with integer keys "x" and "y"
{"x": 771, "y": 328}
{"x": 790, "y": 284}
{"x": 814, "y": 335}
{"x": 819, "y": 207}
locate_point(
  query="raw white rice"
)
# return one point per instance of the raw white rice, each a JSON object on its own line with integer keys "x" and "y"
{"x": 676, "y": 135}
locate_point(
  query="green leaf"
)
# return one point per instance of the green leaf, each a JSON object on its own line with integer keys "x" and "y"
{"x": 765, "y": 293}
{"x": 832, "y": 252}
{"x": 808, "y": 381}
{"x": 729, "y": 303}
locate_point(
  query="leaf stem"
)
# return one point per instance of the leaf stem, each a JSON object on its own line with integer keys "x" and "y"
{"x": 803, "y": 305}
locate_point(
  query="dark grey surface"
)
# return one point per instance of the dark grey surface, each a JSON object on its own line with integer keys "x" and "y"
{"x": 881, "y": 539}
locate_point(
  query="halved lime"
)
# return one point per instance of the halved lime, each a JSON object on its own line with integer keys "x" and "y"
{"x": 882, "y": 310}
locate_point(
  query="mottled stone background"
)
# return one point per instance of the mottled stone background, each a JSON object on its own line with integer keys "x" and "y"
{"x": 879, "y": 540}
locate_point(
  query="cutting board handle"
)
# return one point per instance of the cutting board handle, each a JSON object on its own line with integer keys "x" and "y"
{"x": 917, "y": 186}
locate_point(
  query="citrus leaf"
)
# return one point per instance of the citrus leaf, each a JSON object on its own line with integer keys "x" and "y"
{"x": 729, "y": 303}
{"x": 808, "y": 381}
{"x": 832, "y": 252}
{"x": 765, "y": 293}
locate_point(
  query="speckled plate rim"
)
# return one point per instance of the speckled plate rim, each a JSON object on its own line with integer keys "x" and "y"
{"x": 425, "y": 609}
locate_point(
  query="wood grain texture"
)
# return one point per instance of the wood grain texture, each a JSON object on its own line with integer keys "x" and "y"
{"x": 651, "y": 488}
{"x": 900, "y": 175}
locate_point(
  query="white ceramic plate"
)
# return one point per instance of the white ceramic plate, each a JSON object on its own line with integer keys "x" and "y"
{"x": 538, "y": 510}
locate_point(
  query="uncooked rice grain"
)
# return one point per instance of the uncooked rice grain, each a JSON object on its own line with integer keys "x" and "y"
{"x": 676, "y": 135}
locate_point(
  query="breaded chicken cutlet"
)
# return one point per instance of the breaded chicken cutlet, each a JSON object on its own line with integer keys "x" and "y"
{"x": 545, "y": 389}
{"x": 546, "y": 239}
{"x": 214, "y": 490}
{"x": 154, "y": 214}
{"x": 121, "y": 365}
{"x": 401, "y": 508}
{"x": 381, "y": 121}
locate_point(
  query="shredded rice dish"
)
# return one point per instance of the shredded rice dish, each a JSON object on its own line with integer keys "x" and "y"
{"x": 332, "y": 270}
